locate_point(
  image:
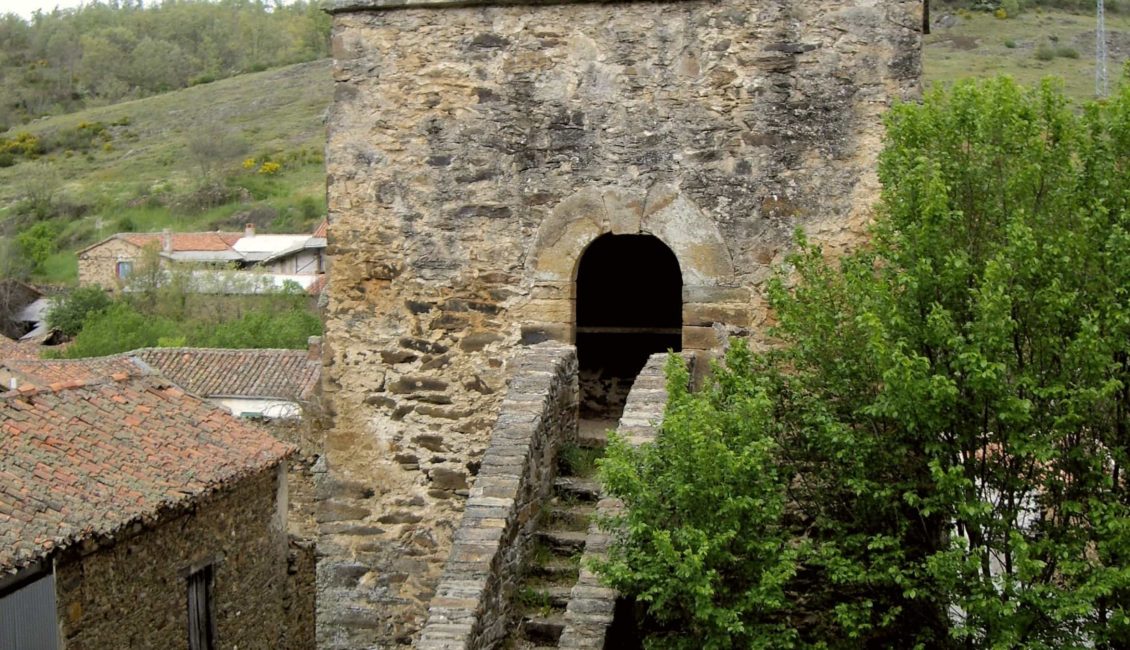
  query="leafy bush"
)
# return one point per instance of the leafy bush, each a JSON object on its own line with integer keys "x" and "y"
{"x": 37, "y": 243}
{"x": 70, "y": 313}
{"x": 119, "y": 328}
{"x": 936, "y": 455}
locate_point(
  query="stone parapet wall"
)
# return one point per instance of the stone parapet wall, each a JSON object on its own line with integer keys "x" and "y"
{"x": 471, "y": 608}
{"x": 589, "y": 614}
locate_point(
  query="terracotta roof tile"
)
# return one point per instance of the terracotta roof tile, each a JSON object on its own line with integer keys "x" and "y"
{"x": 46, "y": 372}
{"x": 10, "y": 349}
{"x": 185, "y": 241}
{"x": 322, "y": 228}
{"x": 276, "y": 374}
{"x": 89, "y": 458}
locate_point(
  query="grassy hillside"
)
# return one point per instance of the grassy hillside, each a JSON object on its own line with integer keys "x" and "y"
{"x": 1030, "y": 46}
{"x": 140, "y": 173}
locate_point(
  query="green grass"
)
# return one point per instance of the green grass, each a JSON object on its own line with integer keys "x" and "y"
{"x": 574, "y": 460}
{"x": 1028, "y": 47}
{"x": 277, "y": 114}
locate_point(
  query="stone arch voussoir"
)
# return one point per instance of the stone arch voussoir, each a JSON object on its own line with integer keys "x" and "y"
{"x": 709, "y": 285}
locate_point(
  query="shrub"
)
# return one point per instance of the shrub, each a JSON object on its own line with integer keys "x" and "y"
{"x": 1045, "y": 52}
{"x": 70, "y": 313}
{"x": 936, "y": 455}
{"x": 37, "y": 243}
{"x": 120, "y": 328}
{"x": 1010, "y": 44}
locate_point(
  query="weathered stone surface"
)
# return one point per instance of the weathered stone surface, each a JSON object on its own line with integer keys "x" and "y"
{"x": 143, "y": 569}
{"x": 473, "y": 154}
{"x": 589, "y": 612}
{"x": 492, "y": 542}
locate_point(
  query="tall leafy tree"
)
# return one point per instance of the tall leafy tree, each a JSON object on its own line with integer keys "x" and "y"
{"x": 935, "y": 455}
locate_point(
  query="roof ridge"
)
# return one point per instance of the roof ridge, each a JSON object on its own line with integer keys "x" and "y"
{"x": 295, "y": 351}
{"x": 29, "y": 389}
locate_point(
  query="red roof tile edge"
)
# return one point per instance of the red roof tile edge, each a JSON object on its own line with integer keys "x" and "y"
{"x": 160, "y": 510}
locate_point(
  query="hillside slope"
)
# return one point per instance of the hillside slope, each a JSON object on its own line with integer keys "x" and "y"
{"x": 133, "y": 180}
{"x": 1033, "y": 45}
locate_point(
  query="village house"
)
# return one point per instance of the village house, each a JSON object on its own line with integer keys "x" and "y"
{"x": 277, "y": 259}
{"x": 135, "y": 515}
{"x": 272, "y": 384}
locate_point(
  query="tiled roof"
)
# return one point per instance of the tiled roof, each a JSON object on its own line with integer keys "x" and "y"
{"x": 45, "y": 372}
{"x": 85, "y": 459}
{"x": 186, "y": 241}
{"x": 10, "y": 349}
{"x": 322, "y": 228}
{"x": 278, "y": 374}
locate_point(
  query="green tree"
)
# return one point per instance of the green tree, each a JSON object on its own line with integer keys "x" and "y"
{"x": 37, "y": 243}
{"x": 935, "y": 456}
{"x": 70, "y": 313}
{"x": 120, "y": 328}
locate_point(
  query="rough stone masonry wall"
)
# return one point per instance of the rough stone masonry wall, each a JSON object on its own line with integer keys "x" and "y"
{"x": 132, "y": 593}
{"x": 471, "y": 609}
{"x": 589, "y": 613}
{"x": 475, "y": 150}
{"x": 99, "y": 265}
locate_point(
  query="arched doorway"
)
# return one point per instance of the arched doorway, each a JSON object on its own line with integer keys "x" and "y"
{"x": 629, "y": 295}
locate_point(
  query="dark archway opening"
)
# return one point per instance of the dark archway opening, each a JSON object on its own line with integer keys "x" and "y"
{"x": 629, "y": 306}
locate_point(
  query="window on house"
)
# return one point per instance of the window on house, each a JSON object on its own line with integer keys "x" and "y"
{"x": 123, "y": 269}
{"x": 201, "y": 623}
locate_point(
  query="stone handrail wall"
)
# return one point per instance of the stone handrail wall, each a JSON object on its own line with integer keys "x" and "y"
{"x": 591, "y": 604}
{"x": 470, "y": 609}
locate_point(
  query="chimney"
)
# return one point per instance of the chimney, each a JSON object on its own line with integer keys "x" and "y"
{"x": 314, "y": 348}
{"x": 166, "y": 241}
{"x": 248, "y": 230}
{"x": 14, "y": 383}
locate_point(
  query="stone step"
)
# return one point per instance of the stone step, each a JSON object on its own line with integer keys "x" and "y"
{"x": 556, "y": 569}
{"x": 563, "y": 542}
{"x": 565, "y": 516}
{"x": 577, "y": 489}
{"x": 543, "y": 629}
{"x": 594, "y": 433}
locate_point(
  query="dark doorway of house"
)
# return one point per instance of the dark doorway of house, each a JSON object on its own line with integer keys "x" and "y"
{"x": 629, "y": 305}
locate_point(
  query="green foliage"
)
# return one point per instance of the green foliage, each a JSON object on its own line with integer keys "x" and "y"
{"x": 264, "y": 329}
{"x": 120, "y": 328}
{"x": 575, "y": 460}
{"x": 936, "y": 455}
{"x": 106, "y": 52}
{"x": 70, "y": 313}
{"x": 37, "y": 243}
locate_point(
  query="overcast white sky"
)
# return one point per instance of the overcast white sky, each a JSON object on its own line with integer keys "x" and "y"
{"x": 26, "y": 7}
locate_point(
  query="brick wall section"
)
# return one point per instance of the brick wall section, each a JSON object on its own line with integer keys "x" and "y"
{"x": 591, "y": 604}
{"x": 131, "y": 592}
{"x": 471, "y": 606}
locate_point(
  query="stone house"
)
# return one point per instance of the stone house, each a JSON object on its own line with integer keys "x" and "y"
{"x": 135, "y": 515}
{"x": 298, "y": 258}
{"x": 622, "y": 176}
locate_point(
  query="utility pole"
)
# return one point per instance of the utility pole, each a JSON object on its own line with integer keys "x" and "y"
{"x": 1101, "y": 84}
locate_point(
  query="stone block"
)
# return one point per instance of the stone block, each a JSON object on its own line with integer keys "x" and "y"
{"x": 700, "y": 338}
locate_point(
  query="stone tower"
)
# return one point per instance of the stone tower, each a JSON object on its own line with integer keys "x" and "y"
{"x": 621, "y": 175}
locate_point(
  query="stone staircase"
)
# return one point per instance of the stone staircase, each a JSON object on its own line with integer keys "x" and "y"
{"x": 554, "y": 565}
